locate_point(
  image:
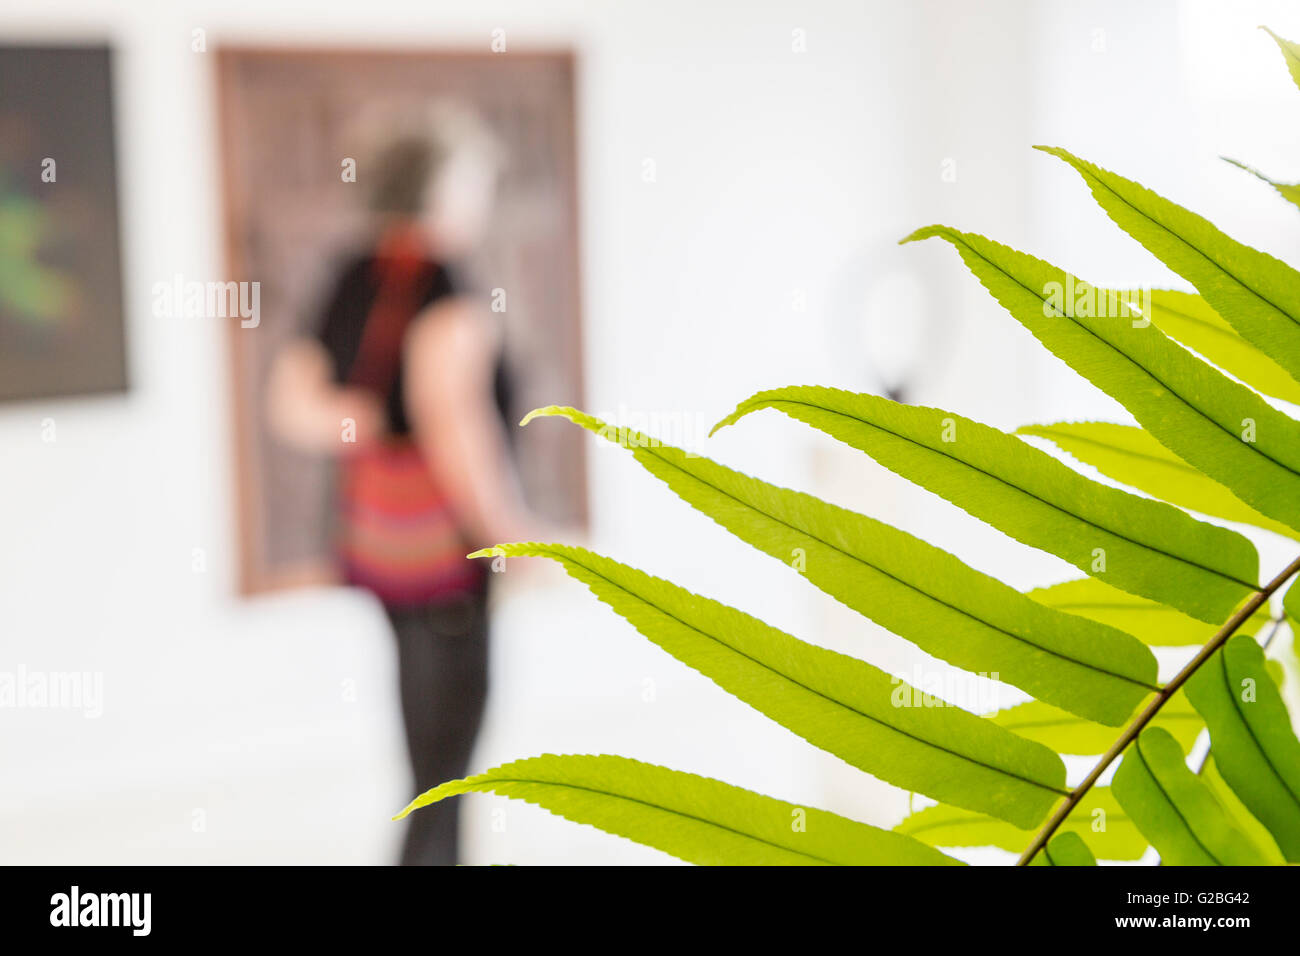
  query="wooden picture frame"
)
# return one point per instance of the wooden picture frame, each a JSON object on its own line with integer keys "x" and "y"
{"x": 285, "y": 121}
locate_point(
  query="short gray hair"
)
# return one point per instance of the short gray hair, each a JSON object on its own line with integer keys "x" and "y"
{"x": 417, "y": 144}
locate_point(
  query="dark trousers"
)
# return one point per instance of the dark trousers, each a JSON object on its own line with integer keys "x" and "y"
{"x": 442, "y": 671}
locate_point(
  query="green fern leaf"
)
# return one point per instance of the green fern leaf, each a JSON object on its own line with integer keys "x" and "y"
{"x": 1099, "y": 817}
{"x": 1132, "y": 456}
{"x": 1068, "y": 734}
{"x": 1251, "y": 737}
{"x": 1149, "y": 547}
{"x": 1258, "y": 294}
{"x": 1240, "y": 815}
{"x": 1213, "y": 423}
{"x": 1288, "y": 191}
{"x": 912, "y": 588}
{"x": 1189, "y": 319}
{"x": 1156, "y": 625}
{"x": 839, "y": 703}
{"x": 1065, "y": 849}
{"x": 1290, "y": 52}
{"x": 1175, "y": 810}
{"x": 697, "y": 819}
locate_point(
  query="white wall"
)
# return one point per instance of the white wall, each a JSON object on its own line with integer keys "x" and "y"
{"x": 780, "y": 176}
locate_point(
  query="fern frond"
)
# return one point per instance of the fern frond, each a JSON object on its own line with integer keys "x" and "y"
{"x": 915, "y": 590}
{"x": 1219, "y": 426}
{"x": 1288, "y": 191}
{"x": 694, "y": 818}
{"x": 1154, "y": 624}
{"x": 1143, "y": 546}
{"x": 1098, "y": 816}
{"x": 1066, "y": 849}
{"x": 1132, "y": 456}
{"x": 1176, "y": 811}
{"x": 855, "y": 711}
{"x": 1257, "y": 293}
{"x": 1256, "y": 751}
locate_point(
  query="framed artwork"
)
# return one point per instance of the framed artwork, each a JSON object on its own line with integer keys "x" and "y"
{"x": 62, "y": 329}
{"x": 288, "y": 122}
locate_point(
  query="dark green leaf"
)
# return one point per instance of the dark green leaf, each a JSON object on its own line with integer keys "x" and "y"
{"x": 1251, "y": 737}
{"x": 1065, "y": 849}
{"x": 1241, "y": 816}
{"x": 1174, "y": 808}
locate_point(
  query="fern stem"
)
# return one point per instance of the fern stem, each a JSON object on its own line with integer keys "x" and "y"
{"x": 1162, "y": 697}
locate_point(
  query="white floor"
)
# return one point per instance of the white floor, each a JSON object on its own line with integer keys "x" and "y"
{"x": 285, "y": 746}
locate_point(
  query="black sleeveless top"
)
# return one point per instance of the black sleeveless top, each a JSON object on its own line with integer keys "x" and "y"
{"x": 344, "y": 319}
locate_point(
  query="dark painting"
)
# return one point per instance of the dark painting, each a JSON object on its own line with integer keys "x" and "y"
{"x": 61, "y": 313}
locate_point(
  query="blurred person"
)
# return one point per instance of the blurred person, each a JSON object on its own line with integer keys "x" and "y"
{"x": 404, "y": 381}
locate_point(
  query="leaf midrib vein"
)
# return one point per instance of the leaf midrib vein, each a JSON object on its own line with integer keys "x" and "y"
{"x": 1067, "y": 722}
{"x": 909, "y": 586}
{"x": 1227, "y": 333}
{"x": 1025, "y": 491}
{"x": 1250, "y": 731}
{"x": 1145, "y": 456}
{"x": 662, "y": 809}
{"x": 1252, "y": 517}
{"x": 1071, "y": 606}
{"x": 800, "y": 684}
{"x": 1177, "y": 237}
{"x": 1128, "y": 358}
{"x": 979, "y": 820}
{"x": 1173, "y": 806}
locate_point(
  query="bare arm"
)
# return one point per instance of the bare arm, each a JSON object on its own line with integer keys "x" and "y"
{"x": 307, "y": 409}
{"x": 449, "y": 356}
